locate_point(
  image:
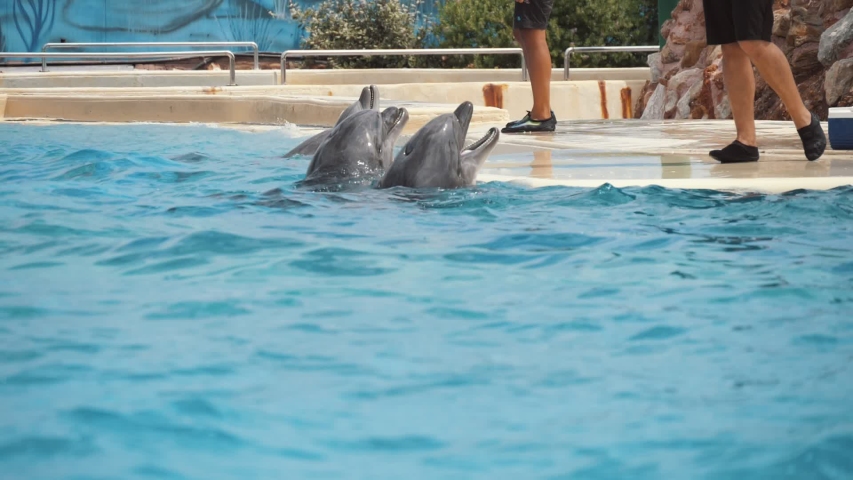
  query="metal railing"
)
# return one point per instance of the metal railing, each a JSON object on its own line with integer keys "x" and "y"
{"x": 213, "y": 53}
{"x": 628, "y": 49}
{"x": 58, "y": 46}
{"x": 400, "y": 52}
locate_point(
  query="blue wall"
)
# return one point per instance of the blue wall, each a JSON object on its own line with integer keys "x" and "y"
{"x": 25, "y": 25}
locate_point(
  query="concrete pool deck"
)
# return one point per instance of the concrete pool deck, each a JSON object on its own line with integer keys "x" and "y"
{"x": 671, "y": 154}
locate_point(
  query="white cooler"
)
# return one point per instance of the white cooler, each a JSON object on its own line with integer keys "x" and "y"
{"x": 841, "y": 128}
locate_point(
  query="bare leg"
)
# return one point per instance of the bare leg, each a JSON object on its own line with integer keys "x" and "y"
{"x": 740, "y": 84}
{"x": 774, "y": 68}
{"x": 520, "y": 39}
{"x": 538, "y": 58}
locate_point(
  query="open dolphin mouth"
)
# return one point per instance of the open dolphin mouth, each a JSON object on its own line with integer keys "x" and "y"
{"x": 400, "y": 119}
{"x": 490, "y": 138}
{"x": 369, "y": 98}
{"x": 464, "y": 112}
{"x": 374, "y": 97}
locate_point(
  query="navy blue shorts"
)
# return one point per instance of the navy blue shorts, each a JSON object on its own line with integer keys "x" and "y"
{"x": 730, "y": 21}
{"x": 532, "y": 14}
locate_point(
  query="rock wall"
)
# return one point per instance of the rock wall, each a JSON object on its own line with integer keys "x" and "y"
{"x": 687, "y": 78}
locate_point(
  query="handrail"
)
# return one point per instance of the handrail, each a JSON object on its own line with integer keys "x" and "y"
{"x": 636, "y": 48}
{"x": 55, "y": 46}
{"x": 400, "y": 52}
{"x": 213, "y": 53}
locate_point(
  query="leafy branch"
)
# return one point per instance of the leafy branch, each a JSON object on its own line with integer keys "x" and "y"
{"x": 362, "y": 24}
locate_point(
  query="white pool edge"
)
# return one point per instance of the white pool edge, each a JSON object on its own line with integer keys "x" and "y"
{"x": 752, "y": 185}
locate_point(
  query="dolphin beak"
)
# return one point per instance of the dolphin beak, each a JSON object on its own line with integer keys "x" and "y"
{"x": 485, "y": 144}
{"x": 394, "y": 119}
{"x": 374, "y": 97}
{"x": 369, "y": 98}
{"x": 464, "y": 112}
{"x": 401, "y": 119}
{"x": 472, "y": 158}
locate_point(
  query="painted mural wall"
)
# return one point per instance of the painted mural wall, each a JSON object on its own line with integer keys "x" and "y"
{"x": 26, "y": 25}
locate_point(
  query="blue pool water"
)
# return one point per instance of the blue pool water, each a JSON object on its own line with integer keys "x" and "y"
{"x": 171, "y": 306}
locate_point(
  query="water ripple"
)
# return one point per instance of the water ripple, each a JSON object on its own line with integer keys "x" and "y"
{"x": 173, "y": 304}
{"x": 40, "y": 448}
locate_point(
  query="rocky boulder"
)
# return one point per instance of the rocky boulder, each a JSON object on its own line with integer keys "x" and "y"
{"x": 836, "y": 41}
{"x": 687, "y": 76}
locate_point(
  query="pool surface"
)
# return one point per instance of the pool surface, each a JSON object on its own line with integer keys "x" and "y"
{"x": 173, "y": 306}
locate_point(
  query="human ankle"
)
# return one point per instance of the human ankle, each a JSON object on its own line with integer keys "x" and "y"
{"x": 537, "y": 115}
{"x": 750, "y": 142}
{"x": 802, "y": 119}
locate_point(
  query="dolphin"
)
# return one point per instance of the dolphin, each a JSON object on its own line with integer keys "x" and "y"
{"x": 435, "y": 158}
{"x": 369, "y": 100}
{"x": 361, "y": 146}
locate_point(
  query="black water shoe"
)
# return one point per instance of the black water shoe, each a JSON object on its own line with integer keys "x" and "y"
{"x": 736, "y": 153}
{"x": 527, "y": 124}
{"x": 814, "y": 140}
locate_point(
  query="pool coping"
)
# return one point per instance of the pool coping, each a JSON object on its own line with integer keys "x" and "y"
{"x": 738, "y": 185}
{"x": 573, "y": 100}
{"x": 212, "y": 108}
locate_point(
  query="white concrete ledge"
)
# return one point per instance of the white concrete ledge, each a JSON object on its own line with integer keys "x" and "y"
{"x": 757, "y": 185}
{"x": 183, "y": 108}
{"x": 575, "y": 100}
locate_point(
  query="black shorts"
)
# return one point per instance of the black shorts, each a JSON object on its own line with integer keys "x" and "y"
{"x": 730, "y": 21}
{"x": 532, "y": 14}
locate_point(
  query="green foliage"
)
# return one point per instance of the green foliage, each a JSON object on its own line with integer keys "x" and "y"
{"x": 488, "y": 23}
{"x": 362, "y": 24}
{"x": 475, "y": 24}
{"x": 372, "y": 24}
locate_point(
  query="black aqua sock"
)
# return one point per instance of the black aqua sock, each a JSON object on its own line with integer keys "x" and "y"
{"x": 736, "y": 153}
{"x": 814, "y": 140}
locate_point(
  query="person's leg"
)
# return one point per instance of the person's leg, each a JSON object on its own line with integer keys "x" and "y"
{"x": 774, "y": 69}
{"x": 538, "y": 59}
{"x": 740, "y": 85}
{"x": 738, "y": 78}
{"x": 753, "y": 24}
{"x": 529, "y": 28}
{"x": 516, "y": 32}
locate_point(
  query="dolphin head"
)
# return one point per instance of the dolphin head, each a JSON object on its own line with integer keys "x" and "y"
{"x": 361, "y": 145}
{"x": 435, "y": 156}
{"x": 393, "y": 121}
{"x": 369, "y": 100}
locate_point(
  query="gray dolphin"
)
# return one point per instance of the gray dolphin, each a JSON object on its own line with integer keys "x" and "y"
{"x": 369, "y": 100}
{"x": 435, "y": 158}
{"x": 361, "y": 146}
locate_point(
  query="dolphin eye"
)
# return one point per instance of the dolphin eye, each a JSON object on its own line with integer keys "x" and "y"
{"x": 409, "y": 147}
